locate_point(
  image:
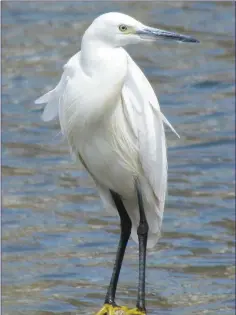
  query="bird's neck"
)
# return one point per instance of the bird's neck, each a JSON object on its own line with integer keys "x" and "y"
{"x": 106, "y": 69}
{"x": 97, "y": 56}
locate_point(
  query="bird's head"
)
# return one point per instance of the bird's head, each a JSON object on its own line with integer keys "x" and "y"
{"x": 117, "y": 29}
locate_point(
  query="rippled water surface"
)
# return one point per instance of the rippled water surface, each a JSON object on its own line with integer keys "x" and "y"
{"x": 58, "y": 242}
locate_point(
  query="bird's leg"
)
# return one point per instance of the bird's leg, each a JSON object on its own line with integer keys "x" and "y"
{"x": 142, "y": 237}
{"x": 110, "y": 306}
{"x": 125, "y": 224}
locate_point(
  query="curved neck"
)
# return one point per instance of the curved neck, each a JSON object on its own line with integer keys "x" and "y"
{"x": 95, "y": 54}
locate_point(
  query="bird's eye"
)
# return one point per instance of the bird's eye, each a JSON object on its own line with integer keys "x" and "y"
{"x": 123, "y": 28}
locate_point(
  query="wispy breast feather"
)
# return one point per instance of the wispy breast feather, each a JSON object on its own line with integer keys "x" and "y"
{"x": 52, "y": 98}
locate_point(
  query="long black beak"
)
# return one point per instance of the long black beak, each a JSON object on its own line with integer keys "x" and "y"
{"x": 150, "y": 33}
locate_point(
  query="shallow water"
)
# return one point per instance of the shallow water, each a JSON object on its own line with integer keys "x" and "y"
{"x": 58, "y": 242}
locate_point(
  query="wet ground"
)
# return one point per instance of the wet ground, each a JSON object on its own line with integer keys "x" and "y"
{"x": 58, "y": 242}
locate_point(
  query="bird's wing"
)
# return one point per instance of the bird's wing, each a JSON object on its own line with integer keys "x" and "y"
{"x": 52, "y": 98}
{"x": 143, "y": 114}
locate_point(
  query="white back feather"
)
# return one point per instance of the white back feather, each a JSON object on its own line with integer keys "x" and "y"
{"x": 143, "y": 113}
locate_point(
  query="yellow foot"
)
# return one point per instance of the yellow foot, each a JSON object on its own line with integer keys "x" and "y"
{"x": 135, "y": 311}
{"x": 112, "y": 310}
{"x": 119, "y": 310}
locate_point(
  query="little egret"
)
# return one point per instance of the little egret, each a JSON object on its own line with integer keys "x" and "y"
{"x": 111, "y": 118}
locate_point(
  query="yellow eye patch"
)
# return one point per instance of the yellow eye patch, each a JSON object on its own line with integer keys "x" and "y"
{"x": 126, "y": 29}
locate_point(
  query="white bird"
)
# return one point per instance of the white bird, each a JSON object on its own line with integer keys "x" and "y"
{"x": 111, "y": 118}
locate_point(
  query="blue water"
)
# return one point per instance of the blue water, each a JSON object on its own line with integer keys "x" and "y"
{"x": 58, "y": 242}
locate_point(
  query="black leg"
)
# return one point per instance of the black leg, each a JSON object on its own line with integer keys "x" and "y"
{"x": 126, "y": 225}
{"x": 142, "y": 237}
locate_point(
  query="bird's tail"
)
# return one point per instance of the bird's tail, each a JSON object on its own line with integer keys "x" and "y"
{"x": 153, "y": 212}
{"x": 154, "y": 222}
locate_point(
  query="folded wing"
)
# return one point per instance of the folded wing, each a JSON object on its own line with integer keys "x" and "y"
{"x": 143, "y": 113}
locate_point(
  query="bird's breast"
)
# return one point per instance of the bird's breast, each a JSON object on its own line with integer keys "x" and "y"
{"x": 97, "y": 128}
{"x": 110, "y": 154}
{"x": 93, "y": 91}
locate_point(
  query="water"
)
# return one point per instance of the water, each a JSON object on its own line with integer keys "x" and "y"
{"x": 58, "y": 242}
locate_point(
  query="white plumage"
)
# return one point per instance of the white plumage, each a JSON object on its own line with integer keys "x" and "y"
{"x": 111, "y": 118}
